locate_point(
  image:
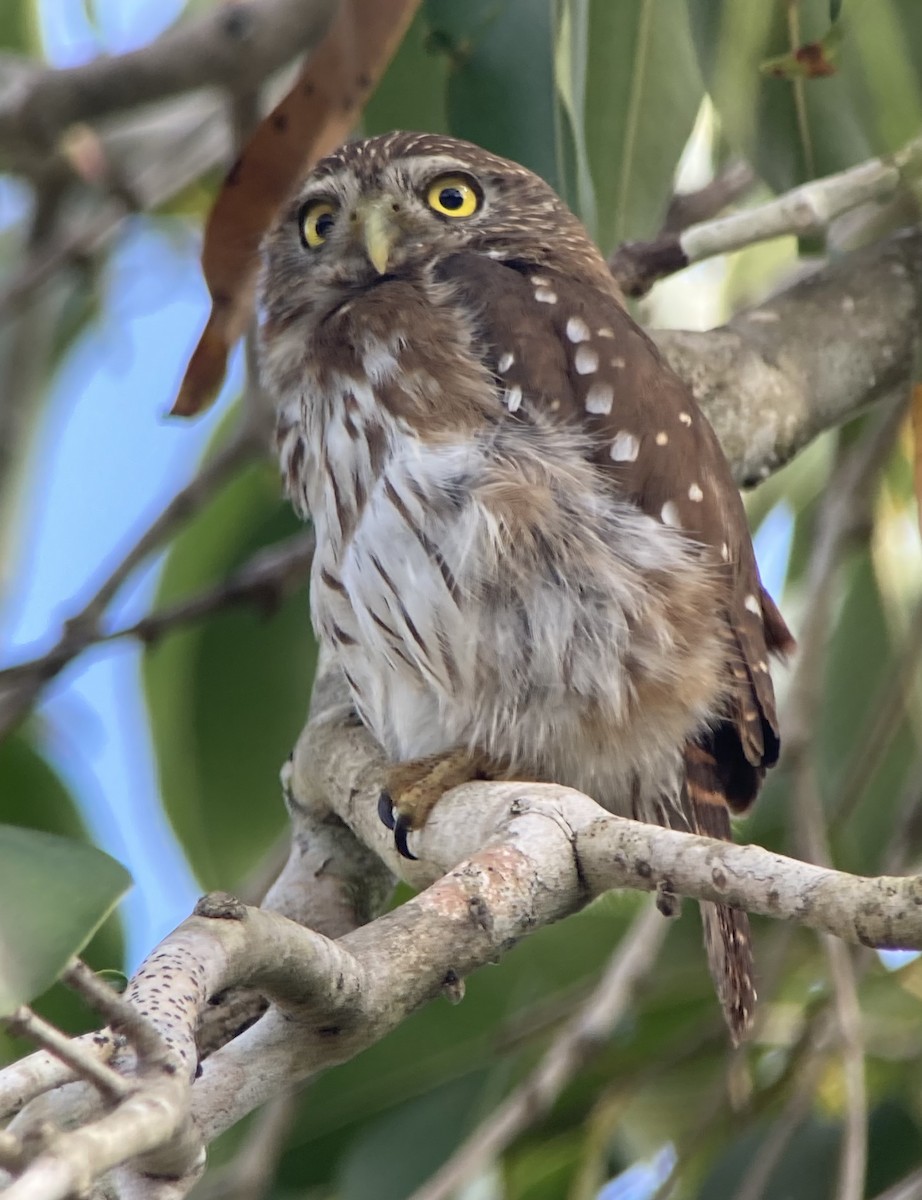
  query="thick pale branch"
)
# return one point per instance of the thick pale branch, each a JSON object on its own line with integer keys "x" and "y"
{"x": 808, "y": 360}
{"x": 548, "y": 851}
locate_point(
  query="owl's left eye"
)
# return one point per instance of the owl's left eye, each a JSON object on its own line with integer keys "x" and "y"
{"x": 453, "y": 196}
{"x": 317, "y": 218}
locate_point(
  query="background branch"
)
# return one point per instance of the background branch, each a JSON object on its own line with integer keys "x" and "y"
{"x": 233, "y": 46}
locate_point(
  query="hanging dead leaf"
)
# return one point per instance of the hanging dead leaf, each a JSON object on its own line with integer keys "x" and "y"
{"x": 310, "y": 121}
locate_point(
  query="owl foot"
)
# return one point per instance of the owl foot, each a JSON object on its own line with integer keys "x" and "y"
{"x": 413, "y": 789}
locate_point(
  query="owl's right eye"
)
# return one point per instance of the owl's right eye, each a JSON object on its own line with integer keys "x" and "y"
{"x": 317, "y": 218}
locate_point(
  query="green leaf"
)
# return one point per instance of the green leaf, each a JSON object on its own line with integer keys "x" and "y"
{"x": 54, "y": 894}
{"x": 570, "y": 57}
{"x": 228, "y": 696}
{"x": 397, "y": 1153}
{"x": 501, "y": 77}
{"x": 881, "y": 59}
{"x": 19, "y": 28}
{"x": 796, "y": 128}
{"x": 412, "y": 94}
{"x": 790, "y": 131}
{"x": 643, "y": 92}
{"x": 32, "y": 795}
{"x": 806, "y": 1171}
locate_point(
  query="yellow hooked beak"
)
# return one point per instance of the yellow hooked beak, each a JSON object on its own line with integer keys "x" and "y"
{"x": 377, "y": 229}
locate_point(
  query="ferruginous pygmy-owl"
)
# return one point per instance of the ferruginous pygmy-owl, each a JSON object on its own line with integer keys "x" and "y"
{"x": 532, "y": 561}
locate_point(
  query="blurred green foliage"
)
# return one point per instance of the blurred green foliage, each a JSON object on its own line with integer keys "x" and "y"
{"x": 600, "y": 96}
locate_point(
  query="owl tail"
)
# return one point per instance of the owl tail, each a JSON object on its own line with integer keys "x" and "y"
{"x": 726, "y": 930}
{"x": 729, "y": 951}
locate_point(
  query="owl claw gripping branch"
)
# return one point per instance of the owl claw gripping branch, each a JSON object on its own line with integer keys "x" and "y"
{"x": 530, "y": 549}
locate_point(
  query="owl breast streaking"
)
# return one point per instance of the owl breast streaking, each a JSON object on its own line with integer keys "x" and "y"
{"x": 532, "y": 561}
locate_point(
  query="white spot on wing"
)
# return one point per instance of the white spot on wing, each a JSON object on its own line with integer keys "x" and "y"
{"x": 625, "y": 447}
{"x": 605, "y": 332}
{"x": 662, "y": 438}
{"x": 600, "y": 398}
{"x": 670, "y": 514}
{"x": 753, "y": 605}
{"x": 585, "y": 360}
{"x": 577, "y": 330}
{"x": 685, "y": 418}
{"x": 505, "y": 362}
{"x": 695, "y": 493}
{"x": 725, "y": 552}
{"x": 513, "y": 398}
{"x": 545, "y": 295}
{"x": 540, "y": 281}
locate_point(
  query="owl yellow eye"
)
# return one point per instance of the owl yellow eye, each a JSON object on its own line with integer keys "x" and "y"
{"x": 453, "y": 196}
{"x": 317, "y": 219}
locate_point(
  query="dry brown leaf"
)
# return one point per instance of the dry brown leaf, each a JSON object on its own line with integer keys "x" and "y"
{"x": 311, "y": 121}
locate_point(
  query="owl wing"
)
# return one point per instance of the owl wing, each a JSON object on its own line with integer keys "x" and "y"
{"x": 567, "y": 347}
{"x": 574, "y": 352}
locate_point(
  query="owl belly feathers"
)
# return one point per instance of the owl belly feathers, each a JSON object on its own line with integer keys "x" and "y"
{"x": 483, "y": 589}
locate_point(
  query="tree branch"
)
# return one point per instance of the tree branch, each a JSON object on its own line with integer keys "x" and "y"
{"x": 811, "y": 358}
{"x": 515, "y": 857}
{"x": 806, "y": 210}
{"x": 233, "y": 46}
{"x": 20, "y": 690}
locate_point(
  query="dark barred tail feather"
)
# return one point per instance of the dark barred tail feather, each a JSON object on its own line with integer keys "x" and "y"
{"x": 726, "y": 930}
{"x": 729, "y": 954}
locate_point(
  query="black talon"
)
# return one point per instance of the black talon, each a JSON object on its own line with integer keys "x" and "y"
{"x": 386, "y": 808}
{"x": 402, "y": 827}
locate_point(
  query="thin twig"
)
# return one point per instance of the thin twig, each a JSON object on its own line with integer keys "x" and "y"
{"x": 23, "y": 1081}
{"x": 807, "y": 210}
{"x": 116, "y": 1010}
{"x": 159, "y": 155}
{"x": 80, "y": 1059}
{"x": 18, "y": 695}
{"x": 705, "y": 203}
{"x": 270, "y": 576}
{"x": 580, "y": 1038}
{"x": 845, "y": 513}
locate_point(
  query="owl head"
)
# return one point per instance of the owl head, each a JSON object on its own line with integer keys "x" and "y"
{"x": 394, "y": 206}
